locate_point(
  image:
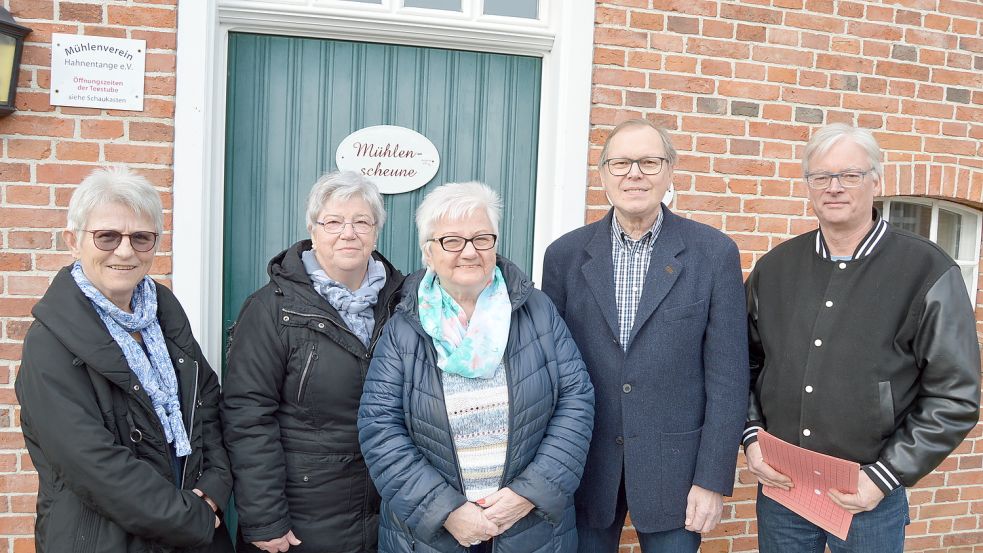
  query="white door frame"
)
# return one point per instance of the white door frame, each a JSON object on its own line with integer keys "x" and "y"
{"x": 562, "y": 39}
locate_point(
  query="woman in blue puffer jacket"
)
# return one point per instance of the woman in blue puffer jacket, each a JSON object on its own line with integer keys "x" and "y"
{"x": 477, "y": 410}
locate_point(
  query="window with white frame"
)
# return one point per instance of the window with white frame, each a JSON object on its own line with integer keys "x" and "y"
{"x": 956, "y": 229}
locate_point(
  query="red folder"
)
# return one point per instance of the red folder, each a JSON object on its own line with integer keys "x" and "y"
{"x": 812, "y": 475}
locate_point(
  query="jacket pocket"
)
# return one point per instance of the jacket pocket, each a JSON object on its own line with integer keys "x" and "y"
{"x": 886, "y": 398}
{"x": 305, "y": 374}
{"x": 683, "y": 312}
{"x": 678, "y": 457}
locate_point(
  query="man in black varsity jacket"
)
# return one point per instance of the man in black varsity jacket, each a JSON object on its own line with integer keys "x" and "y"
{"x": 863, "y": 346}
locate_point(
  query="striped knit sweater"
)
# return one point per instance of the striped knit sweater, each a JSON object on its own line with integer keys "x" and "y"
{"x": 478, "y": 411}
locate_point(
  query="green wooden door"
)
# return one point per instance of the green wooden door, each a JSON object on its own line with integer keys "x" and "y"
{"x": 292, "y": 100}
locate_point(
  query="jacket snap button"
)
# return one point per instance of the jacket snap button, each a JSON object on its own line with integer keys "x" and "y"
{"x": 842, "y": 265}
{"x": 320, "y": 325}
{"x": 136, "y": 436}
{"x": 807, "y": 432}
{"x": 626, "y": 388}
{"x": 286, "y": 318}
{"x": 136, "y": 387}
{"x": 619, "y": 440}
{"x": 180, "y": 360}
{"x": 307, "y": 478}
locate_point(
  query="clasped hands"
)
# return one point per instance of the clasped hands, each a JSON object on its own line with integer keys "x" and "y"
{"x": 473, "y": 523}
{"x": 868, "y": 495}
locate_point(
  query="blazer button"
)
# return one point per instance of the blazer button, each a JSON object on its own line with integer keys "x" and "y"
{"x": 619, "y": 440}
{"x": 626, "y": 388}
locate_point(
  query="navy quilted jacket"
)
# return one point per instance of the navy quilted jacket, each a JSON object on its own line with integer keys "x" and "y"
{"x": 406, "y": 438}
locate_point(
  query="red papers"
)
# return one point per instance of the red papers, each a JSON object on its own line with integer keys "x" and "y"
{"x": 812, "y": 473}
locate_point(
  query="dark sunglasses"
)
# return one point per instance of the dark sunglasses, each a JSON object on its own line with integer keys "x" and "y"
{"x": 109, "y": 240}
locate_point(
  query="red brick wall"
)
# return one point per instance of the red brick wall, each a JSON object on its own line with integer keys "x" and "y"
{"x": 47, "y": 150}
{"x": 741, "y": 85}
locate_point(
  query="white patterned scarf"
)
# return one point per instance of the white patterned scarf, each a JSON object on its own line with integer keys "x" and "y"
{"x": 153, "y": 368}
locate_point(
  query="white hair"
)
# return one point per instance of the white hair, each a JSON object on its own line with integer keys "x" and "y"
{"x": 342, "y": 186}
{"x": 454, "y": 201}
{"x": 827, "y": 137}
{"x": 114, "y": 185}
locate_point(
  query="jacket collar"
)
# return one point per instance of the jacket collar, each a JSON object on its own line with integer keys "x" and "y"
{"x": 287, "y": 272}
{"x": 516, "y": 282}
{"x": 871, "y": 240}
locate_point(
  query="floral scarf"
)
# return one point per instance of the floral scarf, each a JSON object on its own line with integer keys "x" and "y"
{"x": 473, "y": 349}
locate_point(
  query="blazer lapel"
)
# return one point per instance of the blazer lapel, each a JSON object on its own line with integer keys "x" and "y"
{"x": 664, "y": 270}
{"x": 599, "y": 273}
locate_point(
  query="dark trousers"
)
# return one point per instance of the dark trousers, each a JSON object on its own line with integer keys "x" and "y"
{"x": 606, "y": 540}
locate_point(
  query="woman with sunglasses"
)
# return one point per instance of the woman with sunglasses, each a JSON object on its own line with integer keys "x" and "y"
{"x": 119, "y": 407}
{"x": 477, "y": 411}
{"x": 297, "y": 360}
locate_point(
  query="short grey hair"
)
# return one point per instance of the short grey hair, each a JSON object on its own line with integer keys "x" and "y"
{"x": 671, "y": 155}
{"x": 456, "y": 200}
{"x": 827, "y": 137}
{"x": 114, "y": 185}
{"x": 342, "y": 186}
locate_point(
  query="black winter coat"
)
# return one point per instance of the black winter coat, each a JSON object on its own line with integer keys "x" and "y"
{"x": 106, "y": 477}
{"x": 290, "y": 403}
{"x": 407, "y": 440}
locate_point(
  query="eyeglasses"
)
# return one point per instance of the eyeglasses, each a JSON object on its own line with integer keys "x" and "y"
{"x": 337, "y": 227}
{"x": 452, "y": 244}
{"x": 847, "y": 179}
{"x": 109, "y": 240}
{"x": 621, "y": 166}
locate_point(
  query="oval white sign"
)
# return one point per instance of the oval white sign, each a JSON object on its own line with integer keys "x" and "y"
{"x": 396, "y": 159}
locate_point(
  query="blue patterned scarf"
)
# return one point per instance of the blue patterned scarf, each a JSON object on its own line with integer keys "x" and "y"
{"x": 153, "y": 367}
{"x": 473, "y": 349}
{"x": 355, "y": 307}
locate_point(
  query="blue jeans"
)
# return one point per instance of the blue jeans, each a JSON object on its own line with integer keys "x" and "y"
{"x": 878, "y": 531}
{"x": 606, "y": 540}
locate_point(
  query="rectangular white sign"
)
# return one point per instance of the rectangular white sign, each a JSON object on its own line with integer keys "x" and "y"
{"x": 97, "y": 72}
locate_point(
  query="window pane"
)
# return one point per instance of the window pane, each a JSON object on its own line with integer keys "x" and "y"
{"x": 952, "y": 236}
{"x": 969, "y": 276}
{"x": 449, "y": 5}
{"x": 879, "y": 206}
{"x": 528, "y": 9}
{"x": 914, "y": 218}
{"x": 367, "y": 1}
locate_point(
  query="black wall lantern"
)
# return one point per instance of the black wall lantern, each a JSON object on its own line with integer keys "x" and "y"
{"x": 11, "y": 44}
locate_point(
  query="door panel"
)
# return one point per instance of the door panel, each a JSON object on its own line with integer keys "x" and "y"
{"x": 292, "y": 100}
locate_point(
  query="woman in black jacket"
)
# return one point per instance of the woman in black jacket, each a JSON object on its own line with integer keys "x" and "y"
{"x": 298, "y": 355}
{"x": 118, "y": 406}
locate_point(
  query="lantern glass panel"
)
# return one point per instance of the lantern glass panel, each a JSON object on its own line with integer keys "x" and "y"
{"x": 8, "y": 47}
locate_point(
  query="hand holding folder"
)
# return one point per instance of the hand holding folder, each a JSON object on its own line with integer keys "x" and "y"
{"x": 812, "y": 474}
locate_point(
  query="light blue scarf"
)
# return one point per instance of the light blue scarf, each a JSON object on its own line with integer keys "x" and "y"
{"x": 355, "y": 307}
{"x": 153, "y": 368}
{"x": 473, "y": 349}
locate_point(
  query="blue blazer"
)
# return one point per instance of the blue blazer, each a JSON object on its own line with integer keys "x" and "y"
{"x": 669, "y": 411}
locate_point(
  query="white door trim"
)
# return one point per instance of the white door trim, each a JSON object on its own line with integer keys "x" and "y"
{"x": 561, "y": 39}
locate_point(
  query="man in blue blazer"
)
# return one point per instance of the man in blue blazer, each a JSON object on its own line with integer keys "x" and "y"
{"x": 656, "y": 304}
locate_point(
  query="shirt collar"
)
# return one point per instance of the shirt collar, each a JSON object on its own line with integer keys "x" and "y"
{"x": 648, "y": 238}
{"x": 866, "y": 246}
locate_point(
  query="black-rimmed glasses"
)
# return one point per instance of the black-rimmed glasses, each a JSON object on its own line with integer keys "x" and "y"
{"x": 621, "y": 166}
{"x": 850, "y": 178}
{"x": 109, "y": 240}
{"x": 455, "y": 244}
{"x": 337, "y": 227}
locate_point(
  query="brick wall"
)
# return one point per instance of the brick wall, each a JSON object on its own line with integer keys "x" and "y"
{"x": 45, "y": 151}
{"x": 742, "y": 84}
